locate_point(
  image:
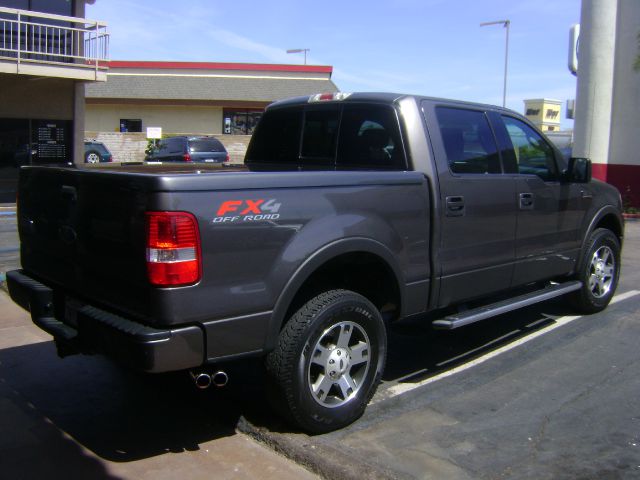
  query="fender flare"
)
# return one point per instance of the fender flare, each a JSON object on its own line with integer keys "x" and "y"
{"x": 315, "y": 261}
{"x": 599, "y": 215}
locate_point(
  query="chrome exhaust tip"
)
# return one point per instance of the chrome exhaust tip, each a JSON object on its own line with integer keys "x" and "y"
{"x": 220, "y": 379}
{"x": 202, "y": 380}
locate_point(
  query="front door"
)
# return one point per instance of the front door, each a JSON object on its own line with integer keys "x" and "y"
{"x": 478, "y": 212}
{"x": 550, "y": 211}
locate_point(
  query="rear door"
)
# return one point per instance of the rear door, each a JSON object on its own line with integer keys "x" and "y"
{"x": 550, "y": 211}
{"x": 476, "y": 248}
{"x": 175, "y": 149}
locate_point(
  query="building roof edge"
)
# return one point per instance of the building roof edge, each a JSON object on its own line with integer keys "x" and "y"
{"x": 261, "y": 67}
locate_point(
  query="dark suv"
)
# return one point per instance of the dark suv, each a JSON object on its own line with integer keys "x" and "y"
{"x": 189, "y": 149}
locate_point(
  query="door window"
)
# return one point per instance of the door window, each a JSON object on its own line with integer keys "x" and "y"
{"x": 468, "y": 141}
{"x": 531, "y": 155}
{"x": 175, "y": 145}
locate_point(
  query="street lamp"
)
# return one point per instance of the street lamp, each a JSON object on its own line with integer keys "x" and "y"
{"x": 504, "y": 23}
{"x": 300, "y": 50}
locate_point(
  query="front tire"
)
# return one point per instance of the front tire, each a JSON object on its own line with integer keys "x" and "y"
{"x": 599, "y": 272}
{"x": 329, "y": 361}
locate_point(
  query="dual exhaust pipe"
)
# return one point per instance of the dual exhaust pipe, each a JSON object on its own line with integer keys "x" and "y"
{"x": 204, "y": 380}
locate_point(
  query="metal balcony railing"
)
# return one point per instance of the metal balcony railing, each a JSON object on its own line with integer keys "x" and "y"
{"x": 42, "y": 38}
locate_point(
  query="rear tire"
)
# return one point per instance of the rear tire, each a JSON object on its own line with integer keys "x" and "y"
{"x": 599, "y": 272}
{"x": 92, "y": 157}
{"x": 328, "y": 361}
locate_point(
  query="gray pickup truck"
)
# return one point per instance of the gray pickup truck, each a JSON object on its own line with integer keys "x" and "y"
{"x": 352, "y": 211}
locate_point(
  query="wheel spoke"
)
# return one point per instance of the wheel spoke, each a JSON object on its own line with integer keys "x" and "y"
{"x": 599, "y": 287}
{"x": 592, "y": 281}
{"x": 322, "y": 386}
{"x": 359, "y": 353}
{"x": 320, "y": 355}
{"x": 608, "y": 270}
{"x": 347, "y": 385}
{"x": 345, "y": 335}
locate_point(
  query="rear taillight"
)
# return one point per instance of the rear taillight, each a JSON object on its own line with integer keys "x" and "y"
{"x": 173, "y": 249}
{"x": 227, "y": 159}
{"x": 186, "y": 157}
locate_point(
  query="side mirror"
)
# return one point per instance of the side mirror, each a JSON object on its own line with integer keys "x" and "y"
{"x": 578, "y": 171}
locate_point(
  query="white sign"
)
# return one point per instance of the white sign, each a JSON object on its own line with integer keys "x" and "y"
{"x": 154, "y": 132}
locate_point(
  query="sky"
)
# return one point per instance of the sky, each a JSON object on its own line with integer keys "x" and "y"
{"x": 426, "y": 47}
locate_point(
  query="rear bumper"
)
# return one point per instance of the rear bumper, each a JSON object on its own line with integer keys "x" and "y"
{"x": 90, "y": 329}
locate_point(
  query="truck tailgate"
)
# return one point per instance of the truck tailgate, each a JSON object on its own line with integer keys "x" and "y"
{"x": 84, "y": 231}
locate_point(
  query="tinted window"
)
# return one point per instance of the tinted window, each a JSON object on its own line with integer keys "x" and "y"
{"x": 533, "y": 155}
{"x": 342, "y": 134}
{"x": 320, "y": 135}
{"x": 468, "y": 141}
{"x": 175, "y": 145}
{"x": 205, "y": 145}
{"x": 277, "y": 137}
{"x": 369, "y": 136}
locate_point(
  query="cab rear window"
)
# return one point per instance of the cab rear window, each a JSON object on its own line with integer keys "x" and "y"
{"x": 347, "y": 136}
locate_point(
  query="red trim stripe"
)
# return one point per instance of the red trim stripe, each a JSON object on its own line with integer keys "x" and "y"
{"x": 261, "y": 67}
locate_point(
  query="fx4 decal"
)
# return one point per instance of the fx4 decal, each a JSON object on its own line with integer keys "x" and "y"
{"x": 231, "y": 211}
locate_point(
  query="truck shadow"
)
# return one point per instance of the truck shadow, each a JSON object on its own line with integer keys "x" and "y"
{"x": 416, "y": 351}
{"x": 123, "y": 416}
{"x": 119, "y": 415}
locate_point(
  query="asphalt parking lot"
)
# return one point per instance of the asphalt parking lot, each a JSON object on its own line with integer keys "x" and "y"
{"x": 538, "y": 393}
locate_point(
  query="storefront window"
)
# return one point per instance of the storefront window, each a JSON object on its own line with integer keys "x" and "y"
{"x": 240, "y": 122}
{"x": 130, "y": 125}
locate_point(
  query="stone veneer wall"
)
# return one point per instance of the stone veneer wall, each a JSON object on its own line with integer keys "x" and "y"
{"x": 129, "y": 147}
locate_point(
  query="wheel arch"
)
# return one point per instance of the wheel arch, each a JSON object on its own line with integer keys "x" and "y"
{"x": 370, "y": 263}
{"x": 607, "y": 217}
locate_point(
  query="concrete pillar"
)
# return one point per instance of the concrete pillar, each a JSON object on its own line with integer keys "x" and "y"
{"x": 78, "y": 122}
{"x": 78, "y": 104}
{"x": 592, "y": 127}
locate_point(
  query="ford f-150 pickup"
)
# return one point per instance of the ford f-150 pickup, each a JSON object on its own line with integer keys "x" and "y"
{"x": 351, "y": 211}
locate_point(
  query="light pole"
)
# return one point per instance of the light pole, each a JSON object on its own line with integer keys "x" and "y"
{"x": 505, "y": 24}
{"x": 300, "y": 50}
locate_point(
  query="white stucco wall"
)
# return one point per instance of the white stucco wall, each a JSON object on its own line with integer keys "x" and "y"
{"x": 39, "y": 98}
{"x": 173, "y": 119}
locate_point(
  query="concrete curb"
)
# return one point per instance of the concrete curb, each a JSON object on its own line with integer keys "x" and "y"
{"x": 315, "y": 455}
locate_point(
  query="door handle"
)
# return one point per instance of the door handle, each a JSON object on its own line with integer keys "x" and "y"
{"x": 455, "y": 206}
{"x": 526, "y": 201}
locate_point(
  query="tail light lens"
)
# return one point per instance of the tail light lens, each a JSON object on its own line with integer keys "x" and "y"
{"x": 173, "y": 249}
{"x": 186, "y": 157}
{"x": 227, "y": 159}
